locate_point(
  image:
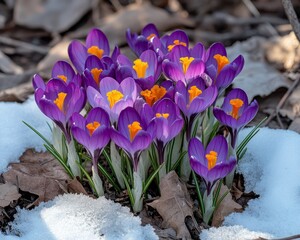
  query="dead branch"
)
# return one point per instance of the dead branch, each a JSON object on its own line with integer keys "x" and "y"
{"x": 291, "y": 14}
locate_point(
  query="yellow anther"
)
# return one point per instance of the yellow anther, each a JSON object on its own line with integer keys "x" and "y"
{"x": 94, "y": 50}
{"x": 92, "y": 127}
{"x": 96, "y": 74}
{"x": 152, "y": 35}
{"x": 194, "y": 92}
{"x": 164, "y": 115}
{"x": 153, "y": 95}
{"x": 222, "y": 61}
{"x": 62, "y": 77}
{"x": 59, "y": 101}
{"x": 140, "y": 68}
{"x": 212, "y": 158}
{"x": 236, "y": 105}
{"x": 113, "y": 97}
{"x": 134, "y": 128}
{"x": 175, "y": 43}
{"x": 186, "y": 61}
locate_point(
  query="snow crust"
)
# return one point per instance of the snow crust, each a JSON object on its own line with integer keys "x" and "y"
{"x": 271, "y": 168}
{"x": 15, "y": 136}
{"x": 71, "y": 216}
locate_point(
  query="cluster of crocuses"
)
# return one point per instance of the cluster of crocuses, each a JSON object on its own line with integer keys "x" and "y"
{"x": 152, "y": 110}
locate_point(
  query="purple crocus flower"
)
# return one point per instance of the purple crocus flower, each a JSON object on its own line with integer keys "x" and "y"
{"x": 143, "y": 42}
{"x": 58, "y": 101}
{"x": 93, "y": 132}
{"x": 218, "y": 66}
{"x": 210, "y": 163}
{"x": 132, "y": 134}
{"x": 96, "y": 44}
{"x": 236, "y": 112}
{"x": 181, "y": 66}
{"x": 113, "y": 96}
{"x": 144, "y": 70}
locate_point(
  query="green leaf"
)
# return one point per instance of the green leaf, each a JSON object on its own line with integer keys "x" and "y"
{"x": 90, "y": 180}
{"x": 202, "y": 208}
{"x": 150, "y": 179}
{"x": 131, "y": 197}
{"x": 177, "y": 163}
{"x": 109, "y": 178}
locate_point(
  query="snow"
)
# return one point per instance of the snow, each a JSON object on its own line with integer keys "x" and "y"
{"x": 15, "y": 136}
{"x": 271, "y": 168}
{"x": 73, "y": 216}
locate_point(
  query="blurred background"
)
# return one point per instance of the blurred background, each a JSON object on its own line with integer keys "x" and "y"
{"x": 34, "y": 34}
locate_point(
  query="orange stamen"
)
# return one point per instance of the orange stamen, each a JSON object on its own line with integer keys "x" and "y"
{"x": 236, "y": 105}
{"x": 62, "y": 77}
{"x": 176, "y": 42}
{"x": 194, "y": 92}
{"x": 152, "y": 35}
{"x": 222, "y": 61}
{"x": 211, "y": 157}
{"x": 164, "y": 115}
{"x": 59, "y": 101}
{"x": 186, "y": 61}
{"x": 113, "y": 97}
{"x": 96, "y": 74}
{"x": 153, "y": 95}
{"x": 92, "y": 127}
{"x": 134, "y": 128}
{"x": 140, "y": 68}
{"x": 94, "y": 50}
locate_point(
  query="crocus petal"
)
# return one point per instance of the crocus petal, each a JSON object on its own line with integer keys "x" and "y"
{"x": 124, "y": 61}
{"x": 100, "y": 138}
{"x": 129, "y": 88}
{"x": 124, "y": 72}
{"x": 127, "y": 116}
{"x": 198, "y": 167}
{"x": 108, "y": 84}
{"x": 38, "y": 82}
{"x": 248, "y": 114}
{"x": 225, "y": 77}
{"x": 97, "y": 38}
{"x": 221, "y": 170}
{"x": 238, "y": 64}
{"x": 149, "y": 30}
{"x": 77, "y": 120}
{"x": 196, "y": 149}
{"x": 233, "y": 94}
{"x": 216, "y": 48}
{"x": 150, "y": 57}
{"x": 141, "y": 141}
{"x": 82, "y": 137}
{"x": 100, "y": 115}
{"x": 93, "y": 62}
{"x": 219, "y": 145}
{"x": 77, "y": 54}
{"x": 198, "y": 51}
{"x": 121, "y": 140}
{"x": 172, "y": 71}
{"x": 63, "y": 68}
{"x": 52, "y": 111}
{"x": 178, "y": 52}
{"x": 195, "y": 69}
{"x": 178, "y": 35}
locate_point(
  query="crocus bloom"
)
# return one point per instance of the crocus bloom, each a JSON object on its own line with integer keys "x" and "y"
{"x": 236, "y": 112}
{"x": 113, "y": 96}
{"x": 219, "y": 67}
{"x": 144, "y": 70}
{"x": 141, "y": 43}
{"x": 96, "y": 44}
{"x": 132, "y": 134}
{"x": 181, "y": 66}
{"x": 210, "y": 163}
{"x": 59, "y": 101}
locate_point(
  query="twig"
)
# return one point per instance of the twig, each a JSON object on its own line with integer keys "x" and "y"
{"x": 281, "y": 103}
{"x": 256, "y": 13}
{"x": 28, "y": 46}
{"x": 291, "y": 14}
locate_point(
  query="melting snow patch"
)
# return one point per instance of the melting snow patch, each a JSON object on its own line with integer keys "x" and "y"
{"x": 15, "y": 136}
{"x": 71, "y": 216}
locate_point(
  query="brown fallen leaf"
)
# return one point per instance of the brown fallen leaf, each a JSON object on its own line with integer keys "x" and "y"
{"x": 236, "y": 193}
{"x": 8, "y": 193}
{"x": 18, "y": 93}
{"x": 258, "y": 78}
{"x": 37, "y": 173}
{"x": 74, "y": 186}
{"x": 227, "y": 206}
{"x": 51, "y": 15}
{"x": 175, "y": 204}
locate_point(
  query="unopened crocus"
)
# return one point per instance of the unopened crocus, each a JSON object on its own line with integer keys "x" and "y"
{"x": 211, "y": 163}
{"x": 93, "y": 132}
{"x": 132, "y": 134}
{"x": 236, "y": 112}
{"x": 181, "y": 66}
{"x": 144, "y": 70}
{"x": 142, "y": 42}
{"x": 96, "y": 44}
{"x": 112, "y": 96}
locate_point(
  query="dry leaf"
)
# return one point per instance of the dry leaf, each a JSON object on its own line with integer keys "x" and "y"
{"x": 258, "y": 78}
{"x": 236, "y": 193}
{"x": 37, "y": 173}
{"x": 8, "y": 193}
{"x": 227, "y": 206}
{"x": 74, "y": 186}
{"x": 51, "y": 15}
{"x": 58, "y": 52}
{"x": 17, "y": 94}
{"x": 8, "y": 66}
{"x": 174, "y": 204}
